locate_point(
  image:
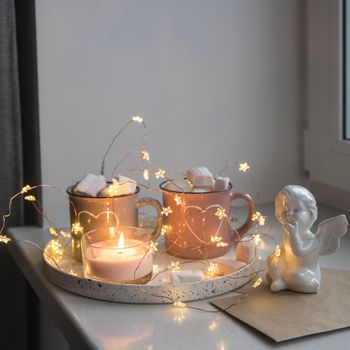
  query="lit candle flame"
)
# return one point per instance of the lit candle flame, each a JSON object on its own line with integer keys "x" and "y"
{"x": 121, "y": 242}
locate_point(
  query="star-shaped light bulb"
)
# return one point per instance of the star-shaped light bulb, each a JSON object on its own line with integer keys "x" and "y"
{"x": 145, "y": 155}
{"x": 257, "y": 239}
{"x": 113, "y": 188}
{"x": 261, "y": 220}
{"x": 277, "y": 251}
{"x": 146, "y": 174}
{"x": 137, "y": 119}
{"x": 164, "y": 230}
{"x": 77, "y": 228}
{"x": 218, "y": 241}
{"x": 257, "y": 283}
{"x": 25, "y": 189}
{"x": 175, "y": 265}
{"x": 30, "y": 198}
{"x": 244, "y": 167}
{"x": 159, "y": 174}
{"x": 166, "y": 211}
{"x": 257, "y": 216}
{"x": 178, "y": 199}
{"x": 212, "y": 270}
{"x": 220, "y": 213}
{"x": 53, "y": 231}
{"x": 153, "y": 246}
{"x": 4, "y": 239}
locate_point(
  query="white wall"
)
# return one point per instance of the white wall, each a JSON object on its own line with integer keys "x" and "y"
{"x": 214, "y": 80}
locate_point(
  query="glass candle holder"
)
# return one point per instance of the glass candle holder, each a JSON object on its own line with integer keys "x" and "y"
{"x": 117, "y": 255}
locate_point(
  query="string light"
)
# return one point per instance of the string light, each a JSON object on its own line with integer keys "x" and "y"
{"x": 53, "y": 231}
{"x": 178, "y": 199}
{"x": 257, "y": 282}
{"x": 153, "y": 246}
{"x": 77, "y": 228}
{"x": 146, "y": 174}
{"x": 257, "y": 239}
{"x": 277, "y": 251}
{"x": 145, "y": 155}
{"x": 25, "y": 189}
{"x": 113, "y": 188}
{"x": 215, "y": 239}
{"x": 4, "y": 239}
{"x": 220, "y": 213}
{"x": 137, "y": 119}
{"x": 166, "y": 211}
{"x": 218, "y": 241}
{"x": 244, "y": 167}
{"x": 159, "y": 174}
{"x": 259, "y": 218}
{"x": 56, "y": 248}
{"x": 174, "y": 266}
{"x": 30, "y": 198}
{"x": 212, "y": 270}
{"x": 164, "y": 230}
{"x": 65, "y": 234}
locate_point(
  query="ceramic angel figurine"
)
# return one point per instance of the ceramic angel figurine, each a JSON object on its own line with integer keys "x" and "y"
{"x": 296, "y": 265}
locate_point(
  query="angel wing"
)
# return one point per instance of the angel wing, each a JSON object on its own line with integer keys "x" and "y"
{"x": 329, "y": 233}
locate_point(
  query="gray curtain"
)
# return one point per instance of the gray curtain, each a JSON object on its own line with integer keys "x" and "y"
{"x": 12, "y": 283}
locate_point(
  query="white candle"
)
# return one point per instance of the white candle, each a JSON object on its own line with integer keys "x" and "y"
{"x": 118, "y": 261}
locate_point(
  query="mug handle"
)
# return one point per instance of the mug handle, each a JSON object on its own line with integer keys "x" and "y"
{"x": 251, "y": 210}
{"x": 153, "y": 203}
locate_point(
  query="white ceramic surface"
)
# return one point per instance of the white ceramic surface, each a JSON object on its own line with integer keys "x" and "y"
{"x": 297, "y": 267}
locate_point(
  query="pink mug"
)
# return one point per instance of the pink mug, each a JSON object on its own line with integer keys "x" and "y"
{"x": 99, "y": 212}
{"x": 194, "y": 229}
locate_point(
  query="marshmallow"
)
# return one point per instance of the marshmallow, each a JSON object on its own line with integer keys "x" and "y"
{"x": 178, "y": 185}
{"x": 126, "y": 185}
{"x": 91, "y": 184}
{"x": 221, "y": 183}
{"x": 245, "y": 251}
{"x": 201, "y": 189}
{"x": 122, "y": 186}
{"x": 185, "y": 276}
{"x": 200, "y": 177}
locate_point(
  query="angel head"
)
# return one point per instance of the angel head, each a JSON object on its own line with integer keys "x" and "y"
{"x": 295, "y": 204}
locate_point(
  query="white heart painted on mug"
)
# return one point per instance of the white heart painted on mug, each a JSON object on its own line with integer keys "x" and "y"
{"x": 96, "y": 217}
{"x": 202, "y": 211}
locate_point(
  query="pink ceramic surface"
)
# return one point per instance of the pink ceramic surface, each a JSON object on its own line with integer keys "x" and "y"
{"x": 192, "y": 224}
{"x": 99, "y": 212}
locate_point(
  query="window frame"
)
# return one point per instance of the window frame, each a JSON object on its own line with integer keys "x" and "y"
{"x": 338, "y": 89}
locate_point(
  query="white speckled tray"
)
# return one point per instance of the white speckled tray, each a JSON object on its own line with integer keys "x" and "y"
{"x": 69, "y": 276}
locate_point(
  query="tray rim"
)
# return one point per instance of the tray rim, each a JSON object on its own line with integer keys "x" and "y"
{"x": 136, "y": 294}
